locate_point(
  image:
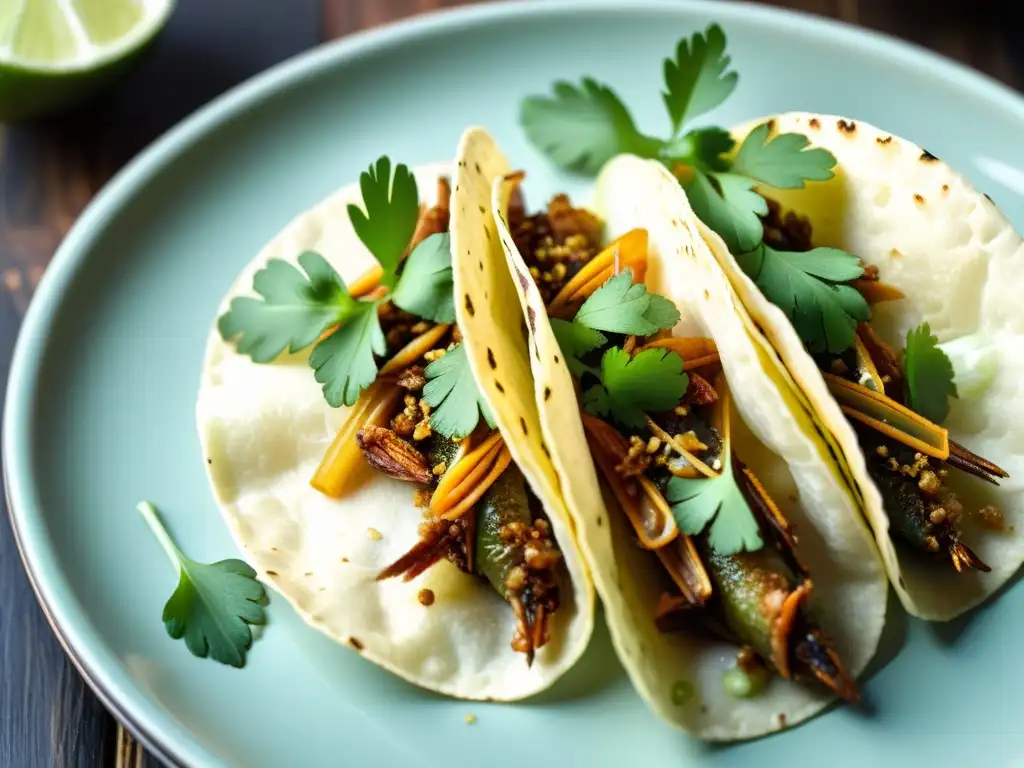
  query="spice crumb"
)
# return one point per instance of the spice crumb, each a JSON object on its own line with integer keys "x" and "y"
{"x": 426, "y": 597}
{"x": 470, "y": 719}
{"x": 374, "y": 534}
{"x": 991, "y": 517}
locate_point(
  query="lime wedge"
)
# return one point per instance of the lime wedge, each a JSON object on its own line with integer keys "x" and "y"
{"x": 55, "y": 53}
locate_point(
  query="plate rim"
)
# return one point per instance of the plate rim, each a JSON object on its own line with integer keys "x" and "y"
{"x": 155, "y": 727}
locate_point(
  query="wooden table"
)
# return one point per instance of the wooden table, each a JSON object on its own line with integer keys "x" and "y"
{"x": 49, "y": 172}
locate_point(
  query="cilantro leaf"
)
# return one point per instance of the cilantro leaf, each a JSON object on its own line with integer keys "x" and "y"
{"x": 802, "y": 285}
{"x": 214, "y": 605}
{"x": 652, "y": 380}
{"x": 696, "y": 81}
{"x": 929, "y": 375}
{"x": 576, "y": 340}
{"x": 620, "y": 306}
{"x": 294, "y": 311}
{"x": 581, "y": 127}
{"x": 426, "y": 285}
{"x": 718, "y": 502}
{"x": 704, "y": 149}
{"x": 597, "y": 401}
{"x": 452, "y": 393}
{"x": 784, "y": 161}
{"x": 344, "y": 362}
{"x": 727, "y": 203}
{"x": 392, "y": 209}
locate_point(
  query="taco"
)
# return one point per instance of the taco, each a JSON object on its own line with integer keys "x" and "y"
{"x": 923, "y": 306}
{"x": 708, "y": 586}
{"x": 370, "y": 471}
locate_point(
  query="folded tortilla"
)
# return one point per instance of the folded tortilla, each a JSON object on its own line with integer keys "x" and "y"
{"x": 264, "y": 429}
{"x": 850, "y": 585}
{"x": 957, "y": 259}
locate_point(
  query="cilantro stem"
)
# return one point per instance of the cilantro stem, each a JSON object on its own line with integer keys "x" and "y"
{"x": 152, "y": 518}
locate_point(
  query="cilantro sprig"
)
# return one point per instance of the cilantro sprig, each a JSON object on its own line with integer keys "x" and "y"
{"x": 581, "y": 127}
{"x": 626, "y": 386}
{"x": 929, "y": 375}
{"x": 214, "y": 606}
{"x": 809, "y": 287}
{"x": 297, "y": 307}
{"x": 452, "y": 393}
{"x": 715, "y": 504}
{"x": 631, "y": 385}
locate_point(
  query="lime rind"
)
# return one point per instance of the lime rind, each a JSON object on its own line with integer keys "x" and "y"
{"x": 59, "y": 37}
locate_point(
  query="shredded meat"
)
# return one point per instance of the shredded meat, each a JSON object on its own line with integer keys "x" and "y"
{"x": 699, "y": 391}
{"x": 555, "y": 243}
{"x": 786, "y": 232}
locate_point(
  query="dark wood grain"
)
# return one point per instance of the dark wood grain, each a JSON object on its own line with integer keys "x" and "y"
{"x": 50, "y": 171}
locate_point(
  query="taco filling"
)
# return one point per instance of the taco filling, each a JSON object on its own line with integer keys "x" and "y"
{"x": 908, "y": 457}
{"x": 480, "y": 513}
{"x": 655, "y": 411}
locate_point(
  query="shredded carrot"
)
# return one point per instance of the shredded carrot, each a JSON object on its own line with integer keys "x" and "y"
{"x": 696, "y": 352}
{"x": 366, "y": 282}
{"x": 343, "y": 457}
{"x": 499, "y": 466}
{"x": 875, "y": 291}
{"x": 629, "y": 250}
{"x": 414, "y": 350}
{"x": 457, "y": 481}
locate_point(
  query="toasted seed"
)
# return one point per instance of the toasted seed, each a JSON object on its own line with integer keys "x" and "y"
{"x": 412, "y": 378}
{"x": 422, "y": 430}
{"x": 426, "y": 597}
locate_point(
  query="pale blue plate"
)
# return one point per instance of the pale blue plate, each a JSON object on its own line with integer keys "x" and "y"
{"x": 100, "y": 409}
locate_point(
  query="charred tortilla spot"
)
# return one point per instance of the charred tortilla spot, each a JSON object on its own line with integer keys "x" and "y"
{"x": 945, "y": 189}
{"x": 813, "y": 123}
{"x": 544, "y": 447}
{"x": 271, "y": 573}
{"x": 884, "y": 139}
{"x": 927, "y": 157}
{"x": 487, "y": 234}
{"x": 522, "y": 426}
{"x": 771, "y": 125}
{"x": 481, "y": 263}
{"x": 482, "y": 209}
{"x": 600, "y": 521}
{"x": 557, "y": 361}
{"x": 707, "y": 296}
{"x": 498, "y": 385}
{"x": 531, "y": 318}
{"x": 490, "y": 359}
{"x": 344, "y": 560}
{"x": 547, "y": 393}
{"x": 846, "y": 126}
{"x": 356, "y": 643}
{"x": 209, "y": 461}
{"x": 469, "y": 306}
{"x": 476, "y": 167}
{"x": 524, "y": 281}
{"x": 918, "y": 199}
{"x": 985, "y": 195}
{"x": 308, "y": 573}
